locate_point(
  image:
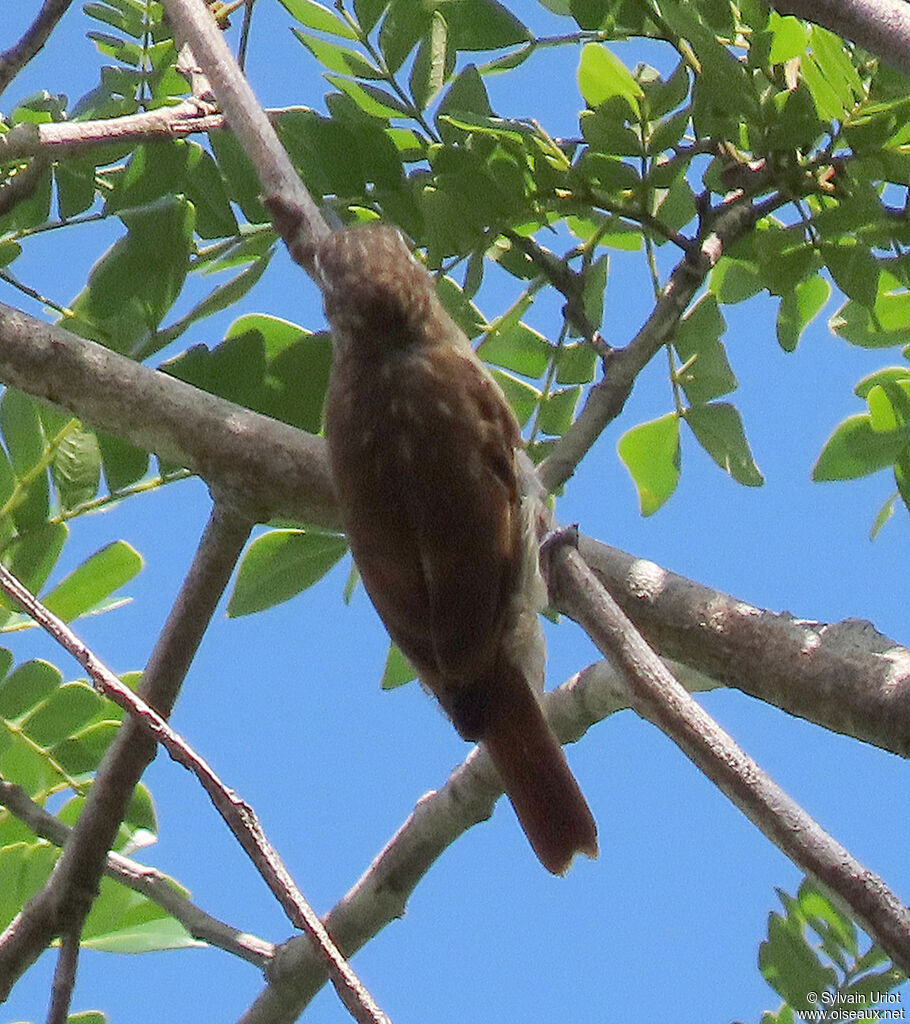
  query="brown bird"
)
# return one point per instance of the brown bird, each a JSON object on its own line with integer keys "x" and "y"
{"x": 423, "y": 450}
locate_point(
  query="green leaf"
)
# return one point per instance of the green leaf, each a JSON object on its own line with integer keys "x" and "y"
{"x": 94, "y": 580}
{"x": 855, "y": 449}
{"x": 397, "y": 671}
{"x": 722, "y": 75}
{"x": 855, "y": 271}
{"x": 280, "y": 564}
{"x": 790, "y": 37}
{"x": 707, "y": 373}
{"x": 882, "y": 516}
{"x": 482, "y": 25}
{"x": 369, "y": 12}
{"x": 590, "y": 14}
{"x": 517, "y": 347}
{"x": 719, "y": 429}
{"x": 65, "y": 711}
{"x": 224, "y": 295}
{"x": 338, "y": 58}
{"x": 123, "y": 463}
{"x": 734, "y": 280}
{"x": 240, "y": 175}
{"x": 75, "y": 181}
{"x": 404, "y": 24}
{"x": 123, "y": 921}
{"x": 32, "y": 555}
{"x": 593, "y": 290}
{"x": 650, "y": 452}
{"x": 26, "y": 444}
{"x": 602, "y": 75}
{"x": 557, "y": 411}
{"x": 888, "y": 374}
{"x": 136, "y": 282}
{"x": 25, "y": 686}
{"x": 205, "y": 188}
{"x": 798, "y": 308}
{"x": 523, "y": 397}
{"x": 76, "y": 467}
{"x": 24, "y": 868}
{"x": 790, "y": 965}
{"x": 432, "y": 64}
{"x": 316, "y": 16}
{"x": 370, "y": 98}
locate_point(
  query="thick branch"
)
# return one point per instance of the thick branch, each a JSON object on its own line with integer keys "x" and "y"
{"x": 282, "y": 469}
{"x": 657, "y": 696}
{"x": 73, "y": 884}
{"x": 846, "y": 676}
{"x": 880, "y": 26}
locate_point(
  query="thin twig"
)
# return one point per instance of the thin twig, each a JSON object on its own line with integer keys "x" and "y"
{"x": 64, "y": 977}
{"x": 658, "y": 697}
{"x": 68, "y": 894}
{"x": 237, "y": 814}
{"x": 13, "y": 60}
{"x": 150, "y": 882}
{"x": 606, "y": 399}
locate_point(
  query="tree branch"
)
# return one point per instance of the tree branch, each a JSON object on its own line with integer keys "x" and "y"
{"x": 845, "y": 676}
{"x": 67, "y": 896}
{"x": 237, "y": 814}
{"x": 13, "y": 60}
{"x": 57, "y": 139}
{"x": 283, "y": 469}
{"x": 193, "y": 24}
{"x": 606, "y": 399}
{"x": 147, "y": 881}
{"x": 658, "y": 697}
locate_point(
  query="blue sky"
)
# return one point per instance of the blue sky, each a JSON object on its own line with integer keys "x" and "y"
{"x": 286, "y": 705}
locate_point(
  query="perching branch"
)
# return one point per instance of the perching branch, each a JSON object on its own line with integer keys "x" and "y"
{"x": 844, "y": 676}
{"x": 150, "y": 882}
{"x": 237, "y": 814}
{"x": 658, "y": 697}
{"x": 63, "y": 902}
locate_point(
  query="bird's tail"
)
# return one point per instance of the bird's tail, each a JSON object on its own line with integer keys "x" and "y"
{"x": 536, "y": 777}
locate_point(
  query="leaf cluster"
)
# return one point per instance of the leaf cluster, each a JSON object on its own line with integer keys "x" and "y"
{"x": 812, "y": 958}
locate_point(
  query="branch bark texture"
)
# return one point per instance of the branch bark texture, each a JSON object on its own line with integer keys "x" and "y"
{"x": 845, "y": 676}
{"x": 270, "y": 464}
